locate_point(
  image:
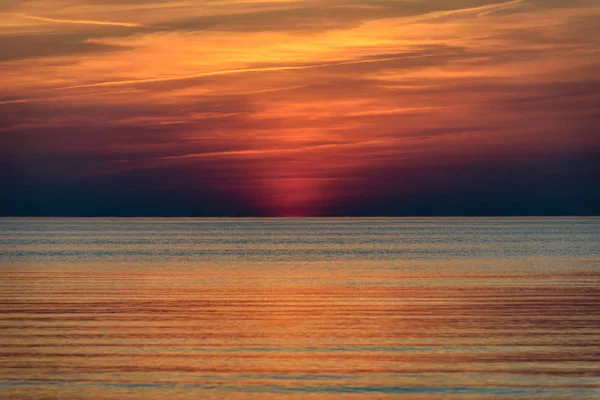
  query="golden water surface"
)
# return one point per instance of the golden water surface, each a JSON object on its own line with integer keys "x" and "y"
{"x": 355, "y": 309}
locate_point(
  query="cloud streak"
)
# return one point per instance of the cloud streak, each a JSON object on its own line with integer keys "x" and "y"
{"x": 235, "y": 71}
{"x": 480, "y": 11}
{"x": 260, "y": 152}
{"x": 76, "y": 21}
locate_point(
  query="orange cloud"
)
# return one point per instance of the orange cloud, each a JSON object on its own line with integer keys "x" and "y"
{"x": 75, "y": 21}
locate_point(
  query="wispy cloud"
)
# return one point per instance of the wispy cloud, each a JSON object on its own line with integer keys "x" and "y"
{"x": 485, "y": 10}
{"x": 76, "y": 21}
{"x": 479, "y": 11}
{"x": 261, "y": 152}
{"x": 236, "y": 71}
{"x": 67, "y": 97}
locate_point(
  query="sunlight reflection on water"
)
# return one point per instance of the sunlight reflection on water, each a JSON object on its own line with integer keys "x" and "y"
{"x": 318, "y": 308}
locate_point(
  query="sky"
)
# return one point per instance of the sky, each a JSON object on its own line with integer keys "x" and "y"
{"x": 299, "y": 107}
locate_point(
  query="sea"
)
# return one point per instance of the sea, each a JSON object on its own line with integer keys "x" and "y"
{"x": 293, "y": 308}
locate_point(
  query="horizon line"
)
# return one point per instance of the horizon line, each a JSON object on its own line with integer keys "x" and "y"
{"x": 294, "y": 217}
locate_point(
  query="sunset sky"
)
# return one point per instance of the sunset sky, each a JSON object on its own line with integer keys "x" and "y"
{"x": 299, "y": 108}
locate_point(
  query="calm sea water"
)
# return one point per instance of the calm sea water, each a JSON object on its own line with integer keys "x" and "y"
{"x": 300, "y": 308}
